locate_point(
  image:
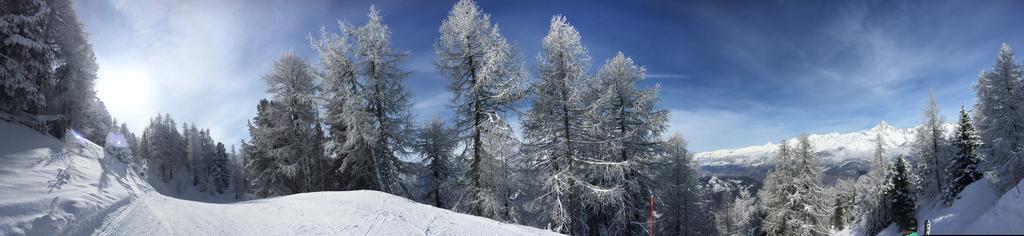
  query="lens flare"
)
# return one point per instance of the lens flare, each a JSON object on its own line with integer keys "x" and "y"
{"x": 116, "y": 139}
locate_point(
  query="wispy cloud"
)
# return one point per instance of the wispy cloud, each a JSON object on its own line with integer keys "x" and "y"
{"x": 708, "y": 129}
{"x": 667, "y": 76}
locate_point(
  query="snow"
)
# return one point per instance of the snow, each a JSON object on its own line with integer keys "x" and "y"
{"x": 332, "y": 213}
{"x": 29, "y": 163}
{"x": 832, "y": 147}
{"x": 105, "y": 197}
{"x": 980, "y": 210}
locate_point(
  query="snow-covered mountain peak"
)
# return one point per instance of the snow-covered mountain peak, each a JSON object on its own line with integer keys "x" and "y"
{"x": 882, "y": 126}
{"x": 831, "y": 147}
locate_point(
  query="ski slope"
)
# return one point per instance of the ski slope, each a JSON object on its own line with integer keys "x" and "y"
{"x": 101, "y": 195}
{"x": 321, "y": 213}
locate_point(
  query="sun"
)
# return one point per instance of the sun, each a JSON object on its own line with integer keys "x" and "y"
{"x": 124, "y": 89}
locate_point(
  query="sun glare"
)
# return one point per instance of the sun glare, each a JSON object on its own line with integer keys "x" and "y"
{"x": 123, "y": 89}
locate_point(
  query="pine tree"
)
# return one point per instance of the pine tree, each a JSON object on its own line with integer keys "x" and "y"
{"x": 28, "y": 61}
{"x": 930, "y": 150}
{"x": 287, "y": 156}
{"x": 436, "y": 142}
{"x": 844, "y": 196}
{"x": 680, "y": 199}
{"x": 963, "y": 169}
{"x": 74, "y": 71}
{"x": 1000, "y": 123}
{"x": 337, "y": 72}
{"x": 792, "y": 195}
{"x": 98, "y": 122}
{"x": 738, "y": 215}
{"x": 219, "y": 170}
{"x": 625, "y": 140}
{"x": 901, "y": 194}
{"x": 487, "y": 78}
{"x": 554, "y": 126}
{"x": 386, "y": 99}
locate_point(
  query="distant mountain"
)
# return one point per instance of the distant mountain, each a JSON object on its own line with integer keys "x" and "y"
{"x": 843, "y": 155}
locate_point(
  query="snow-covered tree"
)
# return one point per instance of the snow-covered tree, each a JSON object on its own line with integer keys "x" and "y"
{"x": 97, "y": 122}
{"x": 236, "y": 167}
{"x": 164, "y": 148}
{"x": 872, "y": 204}
{"x": 930, "y": 151}
{"x": 349, "y": 122}
{"x": 74, "y": 71}
{"x": 681, "y": 201}
{"x": 386, "y": 98}
{"x": 738, "y": 216}
{"x": 843, "y": 197}
{"x": 554, "y": 127}
{"x": 624, "y": 142}
{"x": 999, "y": 119}
{"x": 286, "y": 135}
{"x": 437, "y": 142}
{"x": 792, "y": 196}
{"x": 901, "y": 195}
{"x": 27, "y": 60}
{"x": 963, "y": 168}
{"x": 220, "y": 173}
{"x": 487, "y": 78}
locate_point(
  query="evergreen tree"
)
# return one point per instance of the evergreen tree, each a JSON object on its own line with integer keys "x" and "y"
{"x": 436, "y": 142}
{"x": 386, "y": 99}
{"x": 625, "y": 140}
{"x": 27, "y": 65}
{"x": 219, "y": 172}
{"x": 901, "y": 194}
{"x": 487, "y": 78}
{"x": 287, "y": 157}
{"x": 681, "y": 200}
{"x": 738, "y": 215}
{"x": 1000, "y": 123}
{"x": 72, "y": 94}
{"x": 347, "y": 117}
{"x": 844, "y": 196}
{"x": 554, "y": 128}
{"x": 792, "y": 196}
{"x": 963, "y": 169}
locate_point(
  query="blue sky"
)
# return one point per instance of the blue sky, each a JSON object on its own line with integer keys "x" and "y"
{"x": 732, "y": 73}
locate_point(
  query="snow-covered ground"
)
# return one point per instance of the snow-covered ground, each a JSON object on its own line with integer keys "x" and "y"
{"x": 37, "y": 195}
{"x": 321, "y": 213}
{"x": 979, "y": 211}
{"x": 101, "y": 195}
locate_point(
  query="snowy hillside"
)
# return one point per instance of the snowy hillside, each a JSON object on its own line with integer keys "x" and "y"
{"x": 100, "y": 195}
{"x": 979, "y": 211}
{"x": 48, "y": 187}
{"x": 841, "y": 153}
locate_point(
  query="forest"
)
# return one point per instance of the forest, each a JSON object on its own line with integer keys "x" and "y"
{"x": 550, "y": 146}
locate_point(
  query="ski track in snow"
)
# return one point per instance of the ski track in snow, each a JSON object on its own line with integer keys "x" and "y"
{"x": 323, "y": 213}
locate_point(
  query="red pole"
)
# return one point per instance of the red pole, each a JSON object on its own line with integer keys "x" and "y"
{"x": 651, "y": 229}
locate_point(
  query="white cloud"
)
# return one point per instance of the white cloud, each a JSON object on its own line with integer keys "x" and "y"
{"x": 432, "y": 106}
